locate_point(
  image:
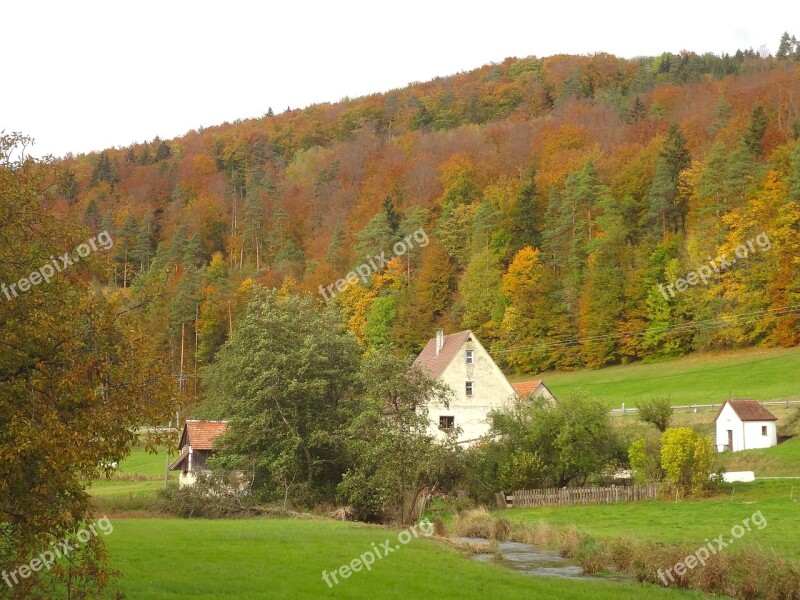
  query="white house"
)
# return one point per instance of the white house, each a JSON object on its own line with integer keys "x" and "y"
{"x": 196, "y": 446}
{"x": 744, "y": 425}
{"x": 479, "y": 386}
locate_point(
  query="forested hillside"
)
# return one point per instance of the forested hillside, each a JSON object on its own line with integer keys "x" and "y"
{"x": 557, "y": 194}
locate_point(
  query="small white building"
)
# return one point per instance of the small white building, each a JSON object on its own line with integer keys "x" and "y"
{"x": 478, "y": 384}
{"x": 744, "y": 425}
{"x": 196, "y": 446}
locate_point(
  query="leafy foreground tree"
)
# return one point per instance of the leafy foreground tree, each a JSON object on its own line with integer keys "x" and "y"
{"x": 283, "y": 381}
{"x": 77, "y": 374}
{"x": 312, "y": 422}
{"x": 391, "y": 457}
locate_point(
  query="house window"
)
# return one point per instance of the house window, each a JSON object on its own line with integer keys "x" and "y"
{"x": 469, "y": 388}
{"x": 470, "y": 357}
{"x": 763, "y": 430}
{"x": 447, "y": 422}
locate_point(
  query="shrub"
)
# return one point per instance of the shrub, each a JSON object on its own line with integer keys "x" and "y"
{"x": 645, "y": 460}
{"x": 657, "y": 412}
{"x": 687, "y": 459}
{"x": 214, "y": 496}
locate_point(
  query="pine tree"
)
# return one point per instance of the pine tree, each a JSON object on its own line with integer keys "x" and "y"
{"x": 662, "y": 213}
{"x": 107, "y": 224}
{"x": 785, "y": 47}
{"x": 334, "y": 256}
{"x": 104, "y": 171}
{"x": 525, "y": 213}
{"x": 375, "y": 238}
{"x": 163, "y": 152}
{"x": 392, "y": 218}
{"x": 253, "y": 228}
{"x": 756, "y": 130}
{"x": 484, "y": 224}
{"x": 68, "y": 185}
{"x": 638, "y": 111}
{"x": 91, "y": 216}
{"x": 177, "y": 246}
{"x": 145, "y": 158}
{"x": 193, "y": 253}
{"x": 125, "y": 250}
{"x": 675, "y": 153}
{"x": 145, "y": 241}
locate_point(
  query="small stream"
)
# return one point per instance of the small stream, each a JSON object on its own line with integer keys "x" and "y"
{"x": 528, "y": 559}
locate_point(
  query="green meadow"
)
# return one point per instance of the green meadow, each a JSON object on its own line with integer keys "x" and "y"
{"x": 762, "y": 374}
{"x": 172, "y": 559}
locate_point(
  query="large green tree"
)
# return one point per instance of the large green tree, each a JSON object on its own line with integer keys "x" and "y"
{"x": 282, "y": 380}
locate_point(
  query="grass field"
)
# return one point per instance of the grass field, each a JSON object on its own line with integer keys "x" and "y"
{"x": 763, "y": 374}
{"x": 140, "y": 475}
{"x": 690, "y": 521}
{"x": 782, "y": 460}
{"x": 170, "y": 559}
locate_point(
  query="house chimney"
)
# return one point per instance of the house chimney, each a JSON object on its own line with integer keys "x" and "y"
{"x": 439, "y": 340}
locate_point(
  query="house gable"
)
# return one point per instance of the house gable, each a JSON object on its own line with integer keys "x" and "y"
{"x": 490, "y": 388}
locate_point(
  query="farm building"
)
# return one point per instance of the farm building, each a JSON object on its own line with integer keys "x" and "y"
{"x": 479, "y": 386}
{"x": 532, "y": 389}
{"x": 744, "y": 425}
{"x": 196, "y": 446}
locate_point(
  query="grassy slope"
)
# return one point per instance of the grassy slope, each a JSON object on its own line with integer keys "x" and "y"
{"x": 146, "y": 467}
{"x": 782, "y": 460}
{"x": 690, "y": 521}
{"x": 142, "y": 462}
{"x": 764, "y": 374}
{"x": 242, "y": 559}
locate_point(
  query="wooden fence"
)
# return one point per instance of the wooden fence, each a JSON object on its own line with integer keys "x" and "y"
{"x": 571, "y": 496}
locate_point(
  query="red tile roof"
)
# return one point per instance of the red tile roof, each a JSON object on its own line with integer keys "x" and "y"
{"x": 436, "y": 364}
{"x": 200, "y": 435}
{"x": 749, "y": 410}
{"x": 524, "y": 388}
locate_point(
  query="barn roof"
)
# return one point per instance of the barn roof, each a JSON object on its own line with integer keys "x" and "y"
{"x": 436, "y": 364}
{"x": 524, "y": 388}
{"x": 200, "y": 435}
{"x": 748, "y": 410}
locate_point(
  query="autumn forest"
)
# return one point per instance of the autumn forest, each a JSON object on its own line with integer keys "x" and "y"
{"x": 558, "y": 193}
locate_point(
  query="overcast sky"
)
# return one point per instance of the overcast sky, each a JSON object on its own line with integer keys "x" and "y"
{"x": 82, "y": 76}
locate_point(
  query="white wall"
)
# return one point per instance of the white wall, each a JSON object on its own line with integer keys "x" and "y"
{"x": 746, "y": 435}
{"x": 187, "y": 478}
{"x": 491, "y": 390}
{"x": 728, "y": 419}
{"x": 753, "y": 438}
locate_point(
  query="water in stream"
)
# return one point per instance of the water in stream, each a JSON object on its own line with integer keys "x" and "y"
{"x": 531, "y": 560}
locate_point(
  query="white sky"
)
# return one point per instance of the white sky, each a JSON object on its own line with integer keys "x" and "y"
{"x": 81, "y": 76}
